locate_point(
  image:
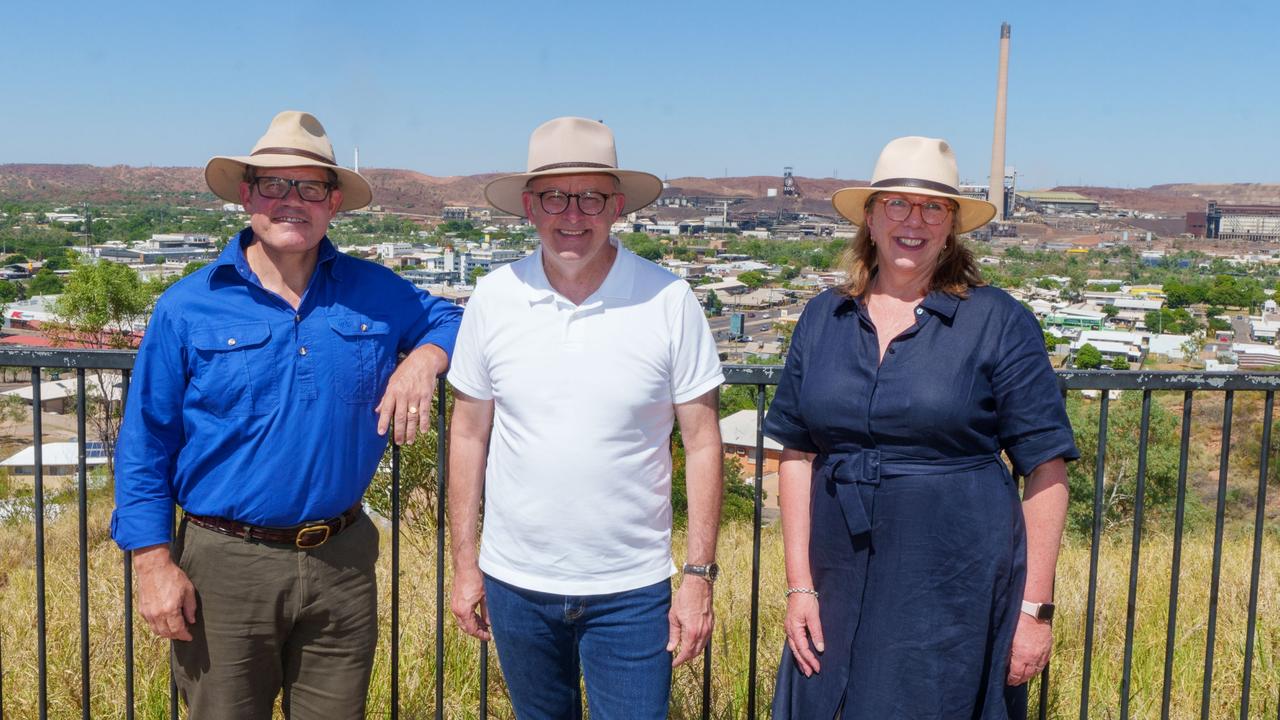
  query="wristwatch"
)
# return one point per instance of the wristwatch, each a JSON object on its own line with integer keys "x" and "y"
{"x": 706, "y": 572}
{"x": 1039, "y": 611}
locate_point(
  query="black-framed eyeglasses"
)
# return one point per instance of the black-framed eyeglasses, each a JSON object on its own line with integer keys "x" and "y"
{"x": 555, "y": 202}
{"x": 933, "y": 212}
{"x": 276, "y": 188}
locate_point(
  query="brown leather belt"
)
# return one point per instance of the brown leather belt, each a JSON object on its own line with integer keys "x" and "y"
{"x": 304, "y": 536}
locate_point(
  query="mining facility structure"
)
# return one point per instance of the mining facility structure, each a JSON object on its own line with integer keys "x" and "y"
{"x": 1236, "y": 222}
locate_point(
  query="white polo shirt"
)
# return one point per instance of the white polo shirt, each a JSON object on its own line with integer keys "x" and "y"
{"x": 578, "y": 479}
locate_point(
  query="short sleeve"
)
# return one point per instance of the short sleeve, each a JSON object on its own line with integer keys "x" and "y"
{"x": 469, "y": 369}
{"x": 695, "y": 363}
{"x": 1031, "y": 415}
{"x": 785, "y": 421}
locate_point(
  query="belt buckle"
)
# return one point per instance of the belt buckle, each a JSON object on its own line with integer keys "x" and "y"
{"x": 301, "y": 541}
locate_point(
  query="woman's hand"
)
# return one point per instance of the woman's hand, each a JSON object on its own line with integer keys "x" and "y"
{"x": 802, "y": 625}
{"x": 1032, "y": 644}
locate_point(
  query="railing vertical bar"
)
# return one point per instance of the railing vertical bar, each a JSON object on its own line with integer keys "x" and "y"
{"x": 758, "y": 505}
{"x": 442, "y": 475}
{"x": 1218, "y": 523}
{"x": 1175, "y": 569}
{"x": 82, "y": 507}
{"x": 395, "y": 580}
{"x": 706, "y": 682}
{"x": 173, "y": 678}
{"x": 1098, "y": 476}
{"x": 1255, "y": 569}
{"x": 484, "y": 680}
{"x": 1043, "y": 711}
{"x": 125, "y": 376}
{"x": 42, "y": 650}
{"x": 1131, "y": 603}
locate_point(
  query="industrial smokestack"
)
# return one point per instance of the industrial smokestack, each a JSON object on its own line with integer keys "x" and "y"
{"x": 357, "y": 159}
{"x": 995, "y": 192}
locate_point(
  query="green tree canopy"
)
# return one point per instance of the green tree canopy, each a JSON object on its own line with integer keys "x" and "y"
{"x": 44, "y": 282}
{"x": 102, "y": 302}
{"x": 1088, "y": 357}
{"x": 752, "y": 279}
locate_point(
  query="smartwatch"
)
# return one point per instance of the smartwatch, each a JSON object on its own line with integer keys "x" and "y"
{"x": 1039, "y": 611}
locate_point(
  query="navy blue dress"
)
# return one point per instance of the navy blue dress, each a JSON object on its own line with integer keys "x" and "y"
{"x": 917, "y": 545}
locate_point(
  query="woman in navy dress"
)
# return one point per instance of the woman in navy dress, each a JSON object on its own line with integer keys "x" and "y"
{"x": 920, "y": 585}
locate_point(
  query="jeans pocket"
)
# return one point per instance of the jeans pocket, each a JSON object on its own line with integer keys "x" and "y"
{"x": 360, "y": 350}
{"x": 234, "y": 373}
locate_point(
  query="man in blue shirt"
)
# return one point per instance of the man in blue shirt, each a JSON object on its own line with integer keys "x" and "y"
{"x": 261, "y": 398}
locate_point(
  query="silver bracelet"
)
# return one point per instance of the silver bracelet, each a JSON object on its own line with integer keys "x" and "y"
{"x": 803, "y": 591}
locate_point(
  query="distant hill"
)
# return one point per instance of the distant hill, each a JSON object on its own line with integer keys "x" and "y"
{"x": 415, "y": 192}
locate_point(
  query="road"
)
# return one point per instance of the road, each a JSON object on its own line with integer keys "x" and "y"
{"x": 756, "y": 322}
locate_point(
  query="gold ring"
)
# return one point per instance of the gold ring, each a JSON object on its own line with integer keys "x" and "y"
{"x": 413, "y": 410}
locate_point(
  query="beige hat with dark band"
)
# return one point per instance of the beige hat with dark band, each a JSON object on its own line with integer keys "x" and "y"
{"x": 294, "y": 139}
{"x": 572, "y": 146}
{"x": 921, "y": 166}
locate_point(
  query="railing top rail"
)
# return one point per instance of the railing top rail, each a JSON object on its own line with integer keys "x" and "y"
{"x": 65, "y": 358}
{"x": 1167, "y": 380}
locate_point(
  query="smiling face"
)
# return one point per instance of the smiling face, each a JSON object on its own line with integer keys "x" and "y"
{"x": 289, "y": 224}
{"x": 573, "y": 240}
{"x": 907, "y": 250}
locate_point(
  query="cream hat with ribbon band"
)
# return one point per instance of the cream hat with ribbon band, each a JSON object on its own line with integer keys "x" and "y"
{"x": 921, "y": 166}
{"x": 572, "y": 146}
{"x": 294, "y": 139}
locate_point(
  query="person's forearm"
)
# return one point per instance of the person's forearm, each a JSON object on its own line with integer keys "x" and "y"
{"x": 794, "y": 478}
{"x": 705, "y": 487}
{"x": 1044, "y": 507}
{"x": 468, "y": 445}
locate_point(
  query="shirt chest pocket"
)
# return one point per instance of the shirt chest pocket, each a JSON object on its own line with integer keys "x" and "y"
{"x": 235, "y": 373}
{"x": 362, "y": 355}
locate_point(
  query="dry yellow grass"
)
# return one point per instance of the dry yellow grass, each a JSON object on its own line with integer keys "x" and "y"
{"x": 731, "y": 643}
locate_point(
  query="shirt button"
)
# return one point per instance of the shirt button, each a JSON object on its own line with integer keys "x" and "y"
{"x": 363, "y": 327}
{"x": 231, "y": 341}
{"x": 919, "y": 311}
{"x": 892, "y": 350}
{"x": 297, "y": 318}
{"x": 302, "y": 350}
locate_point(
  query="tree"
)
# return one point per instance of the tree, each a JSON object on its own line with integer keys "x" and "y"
{"x": 1119, "y": 483}
{"x": 45, "y": 282}
{"x": 1110, "y": 311}
{"x": 1088, "y": 357}
{"x": 1119, "y": 362}
{"x": 752, "y": 279}
{"x": 643, "y": 245}
{"x": 193, "y": 266}
{"x": 475, "y": 274}
{"x": 102, "y": 305}
{"x": 713, "y": 304}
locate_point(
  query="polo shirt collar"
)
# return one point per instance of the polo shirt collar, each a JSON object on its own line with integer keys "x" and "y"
{"x": 233, "y": 256}
{"x": 617, "y": 284}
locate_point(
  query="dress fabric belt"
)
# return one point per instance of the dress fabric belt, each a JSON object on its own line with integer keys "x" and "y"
{"x": 867, "y": 466}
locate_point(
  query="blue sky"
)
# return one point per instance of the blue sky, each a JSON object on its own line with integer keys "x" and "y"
{"x": 1114, "y": 93}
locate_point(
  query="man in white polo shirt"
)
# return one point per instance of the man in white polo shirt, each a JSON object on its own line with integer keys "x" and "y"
{"x": 570, "y": 367}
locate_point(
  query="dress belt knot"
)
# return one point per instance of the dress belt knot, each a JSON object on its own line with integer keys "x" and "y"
{"x": 845, "y": 471}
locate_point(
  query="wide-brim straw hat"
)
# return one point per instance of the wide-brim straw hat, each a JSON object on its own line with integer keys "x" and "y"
{"x": 572, "y": 146}
{"x": 921, "y": 166}
{"x": 294, "y": 139}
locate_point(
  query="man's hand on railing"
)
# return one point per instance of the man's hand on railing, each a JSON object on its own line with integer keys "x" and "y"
{"x": 406, "y": 404}
{"x": 468, "y": 604}
{"x": 166, "y": 597}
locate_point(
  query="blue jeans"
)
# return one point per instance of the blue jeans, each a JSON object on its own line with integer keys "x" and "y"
{"x": 618, "y": 641}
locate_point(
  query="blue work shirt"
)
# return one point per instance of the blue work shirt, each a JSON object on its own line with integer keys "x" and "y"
{"x": 243, "y": 408}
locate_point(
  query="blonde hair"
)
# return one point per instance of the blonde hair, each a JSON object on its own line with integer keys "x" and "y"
{"x": 957, "y": 271}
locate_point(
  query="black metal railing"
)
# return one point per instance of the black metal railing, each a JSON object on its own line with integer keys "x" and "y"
{"x": 761, "y": 378}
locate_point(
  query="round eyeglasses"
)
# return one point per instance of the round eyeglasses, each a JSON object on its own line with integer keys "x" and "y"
{"x": 276, "y": 188}
{"x": 933, "y": 212}
{"x": 555, "y": 202}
